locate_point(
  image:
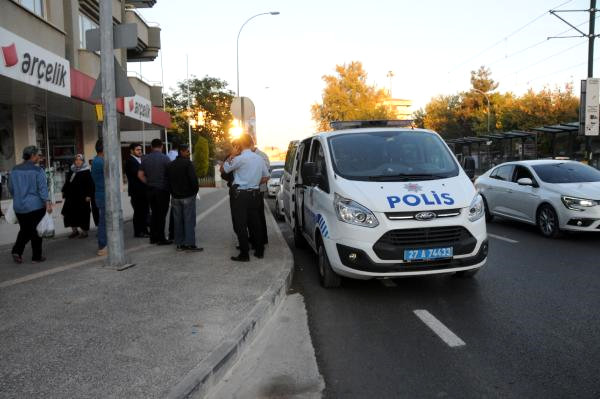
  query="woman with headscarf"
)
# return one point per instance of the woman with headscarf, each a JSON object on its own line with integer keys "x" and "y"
{"x": 77, "y": 194}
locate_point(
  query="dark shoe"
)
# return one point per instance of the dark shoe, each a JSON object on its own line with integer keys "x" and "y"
{"x": 181, "y": 248}
{"x": 74, "y": 234}
{"x": 83, "y": 234}
{"x": 143, "y": 235}
{"x": 40, "y": 260}
{"x": 165, "y": 242}
{"x": 153, "y": 241}
{"x": 193, "y": 248}
{"x": 17, "y": 258}
{"x": 259, "y": 255}
{"x": 241, "y": 258}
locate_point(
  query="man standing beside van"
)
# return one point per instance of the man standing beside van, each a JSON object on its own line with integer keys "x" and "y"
{"x": 249, "y": 171}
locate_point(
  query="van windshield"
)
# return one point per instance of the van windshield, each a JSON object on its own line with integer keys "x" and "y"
{"x": 391, "y": 156}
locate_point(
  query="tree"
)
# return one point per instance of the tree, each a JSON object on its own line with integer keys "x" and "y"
{"x": 201, "y": 156}
{"x": 348, "y": 96}
{"x": 210, "y": 103}
{"x": 442, "y": 114}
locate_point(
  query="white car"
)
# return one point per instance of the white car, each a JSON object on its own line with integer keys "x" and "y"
{"x": 554, "y": 195}
{"x": 274, "y": 183}
{"x": 383, "y": 201}
{"x": 279, "y": 205}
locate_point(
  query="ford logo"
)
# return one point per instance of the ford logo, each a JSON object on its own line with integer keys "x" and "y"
{"x": 425, "y": 215}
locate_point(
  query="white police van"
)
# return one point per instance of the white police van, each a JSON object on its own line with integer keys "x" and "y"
{"x": 375, "y": 201}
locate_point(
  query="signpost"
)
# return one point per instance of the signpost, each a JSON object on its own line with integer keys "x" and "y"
{"x": 592, "y": 107}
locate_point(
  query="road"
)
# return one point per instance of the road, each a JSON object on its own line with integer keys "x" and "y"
{"x": 526, "y": 326}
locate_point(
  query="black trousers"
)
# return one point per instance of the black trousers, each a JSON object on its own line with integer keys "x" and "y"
{"x": 245, "y": 208}
{"x": 159, "y": 204}
{"x": 139, "y": 203}
{"x": 28, "y": 223}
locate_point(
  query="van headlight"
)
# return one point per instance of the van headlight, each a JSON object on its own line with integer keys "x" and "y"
{"x": 577, "y": 204}
{"x": 352, "y": 212}
{"x": 476, "y": 209}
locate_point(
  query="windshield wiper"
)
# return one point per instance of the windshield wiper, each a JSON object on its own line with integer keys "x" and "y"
{"x": 407, "y": 177}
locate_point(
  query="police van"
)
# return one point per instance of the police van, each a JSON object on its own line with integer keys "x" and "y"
{"x": 374, "y": 200}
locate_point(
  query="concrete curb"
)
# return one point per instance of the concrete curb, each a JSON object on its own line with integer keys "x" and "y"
{"x": 211, "y": 370}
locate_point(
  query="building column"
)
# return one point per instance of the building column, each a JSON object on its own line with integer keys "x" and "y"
{"x": 23, "y": 129}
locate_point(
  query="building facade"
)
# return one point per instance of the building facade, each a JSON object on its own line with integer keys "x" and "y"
{"x": 47, "y": 77}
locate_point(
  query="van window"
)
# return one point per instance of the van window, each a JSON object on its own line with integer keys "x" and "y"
{"x": 318, "y": 157}
{"x": 397, "y": 155}
{"x": 290, "y": 157}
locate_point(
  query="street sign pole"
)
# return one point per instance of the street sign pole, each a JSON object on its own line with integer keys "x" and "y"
{"x": 110, "y": 138}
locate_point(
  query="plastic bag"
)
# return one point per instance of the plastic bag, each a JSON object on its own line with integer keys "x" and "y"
{"x": 10, "y": 216}
{"x": 46, "y": 227}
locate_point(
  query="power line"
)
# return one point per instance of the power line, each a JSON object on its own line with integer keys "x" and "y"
{"x": 508, "y": 36}
{"x": 535, "y": 44}
{"x": 547, "y": 58}
{"x": 560, "y": 70}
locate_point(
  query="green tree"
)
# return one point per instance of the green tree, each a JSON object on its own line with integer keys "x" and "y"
{"x": 210, "y": 103}
{"x": 201, "y": 162}
{"x": 348, "y": 96}
{"x": 443, "y": 115}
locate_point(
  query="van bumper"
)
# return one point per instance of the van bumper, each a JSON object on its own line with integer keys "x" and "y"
{"x": 363, "y": 267}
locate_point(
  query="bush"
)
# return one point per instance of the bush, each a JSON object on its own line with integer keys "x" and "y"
{"x": 201, "y": 156}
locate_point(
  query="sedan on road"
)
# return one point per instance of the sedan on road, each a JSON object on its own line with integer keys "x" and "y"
{"x": 274, "y": 183}
{"x": 554, "y": 195}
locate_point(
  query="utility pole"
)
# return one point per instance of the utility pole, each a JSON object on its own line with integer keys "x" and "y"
{"x": 591, "y": 35}
{"x": 390, "y": 75}
{"x": 110, "y": 138}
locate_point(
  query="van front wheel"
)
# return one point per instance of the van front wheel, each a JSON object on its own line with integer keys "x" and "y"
{"x": 329, "y": 279}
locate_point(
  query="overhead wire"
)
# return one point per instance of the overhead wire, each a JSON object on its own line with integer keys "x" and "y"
{"x": 508, "y": 36}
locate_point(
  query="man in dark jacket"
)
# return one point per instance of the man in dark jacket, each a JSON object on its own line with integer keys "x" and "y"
{"x": 138, "y": 191}
{"x": 183, "y": 184}
{"x": 153, "y": 172}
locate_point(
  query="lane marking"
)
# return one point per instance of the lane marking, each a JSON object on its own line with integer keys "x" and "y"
{"x": 440, "y": 329}
{"x": 49, "y": 272}
{"x": 497, "y": 237}
{"x": 388, "y": 283}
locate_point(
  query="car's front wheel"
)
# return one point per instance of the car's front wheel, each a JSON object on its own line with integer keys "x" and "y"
{"x": 329, "y": 279}
{"x": 488, "y": 216}
{"x": 547, "y": 221}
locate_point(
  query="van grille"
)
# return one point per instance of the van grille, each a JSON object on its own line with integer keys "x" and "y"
{"x": 393, "y": 243}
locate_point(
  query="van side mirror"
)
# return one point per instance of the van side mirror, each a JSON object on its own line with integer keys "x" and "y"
{"x": 310, "y": 175}
{"x": 525, "y": 181}
{"x": 469, "y": 167}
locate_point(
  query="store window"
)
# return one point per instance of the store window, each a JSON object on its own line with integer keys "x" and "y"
{"x": 85, "y": 23}
{"x": 35, "y": 6}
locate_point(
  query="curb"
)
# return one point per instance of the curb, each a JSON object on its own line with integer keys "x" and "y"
{"x": 209, "y": 372}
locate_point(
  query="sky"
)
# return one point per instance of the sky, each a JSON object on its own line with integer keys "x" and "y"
{"x": 431, "y": 47}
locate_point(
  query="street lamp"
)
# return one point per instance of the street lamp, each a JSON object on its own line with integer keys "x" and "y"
{"x": 237, "y": 49}
{"x": 238, "y": 44}
{"x": 488, "y": 107}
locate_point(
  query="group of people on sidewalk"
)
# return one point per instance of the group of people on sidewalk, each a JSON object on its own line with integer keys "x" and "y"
{"x": 155, "y": 183}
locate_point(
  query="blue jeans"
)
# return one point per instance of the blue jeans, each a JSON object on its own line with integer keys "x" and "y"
{"x": 184, "y": 217}
{"x": 102, "y": 225}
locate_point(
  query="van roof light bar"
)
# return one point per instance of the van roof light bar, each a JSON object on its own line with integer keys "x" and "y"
{"x": 340, "y": 125}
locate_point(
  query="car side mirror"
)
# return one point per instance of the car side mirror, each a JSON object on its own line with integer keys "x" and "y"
{"x": 525, "y": 181}
{"x": 310, "y": 175}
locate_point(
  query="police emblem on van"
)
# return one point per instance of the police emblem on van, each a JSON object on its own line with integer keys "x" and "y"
{"x": 425, "y": 215}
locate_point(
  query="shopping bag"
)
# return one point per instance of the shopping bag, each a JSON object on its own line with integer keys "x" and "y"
{"x": 10, "y": 216}
{"x": 45, "y": 228}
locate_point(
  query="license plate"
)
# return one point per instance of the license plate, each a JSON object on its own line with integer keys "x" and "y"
{"x": 427, "y": 254}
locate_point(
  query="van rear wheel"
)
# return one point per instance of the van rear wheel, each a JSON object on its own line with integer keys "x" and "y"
{"x": 328, "y": 278}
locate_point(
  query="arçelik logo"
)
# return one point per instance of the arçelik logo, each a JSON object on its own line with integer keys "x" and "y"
{"x": 10, "y": 55}
{"x": 131, "y": 105}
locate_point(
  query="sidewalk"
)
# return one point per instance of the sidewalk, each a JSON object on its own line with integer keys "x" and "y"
{"x": 173, "y": 323}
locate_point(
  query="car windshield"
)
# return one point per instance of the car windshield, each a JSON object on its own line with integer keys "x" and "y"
{"x": 567, "y": 172}
{"x": 392, "y": 156}
{"x": 276, "y": 173}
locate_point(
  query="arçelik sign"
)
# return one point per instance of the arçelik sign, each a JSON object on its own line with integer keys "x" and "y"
{"x": 137, "y": 107}
{"x": 34, "y": 65}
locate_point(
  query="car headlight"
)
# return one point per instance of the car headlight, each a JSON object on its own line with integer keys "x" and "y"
{"x": 476, "y": 209}
{"x": 578, "y": 204}
{"x": 352, "y": 212}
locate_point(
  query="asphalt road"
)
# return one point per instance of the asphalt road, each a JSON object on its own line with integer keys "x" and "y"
{"x": 526, "y": 326}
